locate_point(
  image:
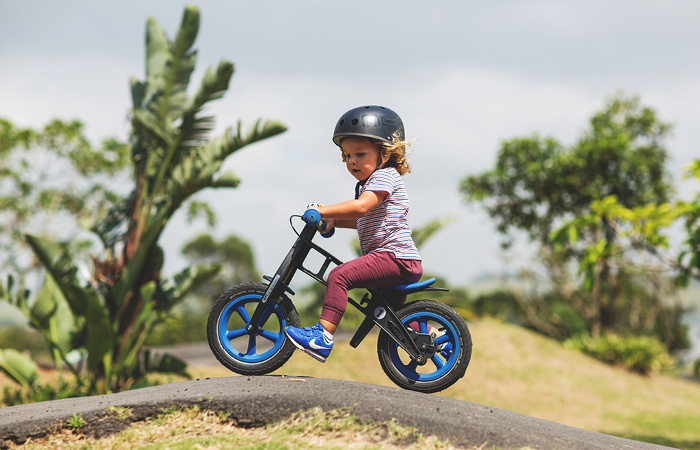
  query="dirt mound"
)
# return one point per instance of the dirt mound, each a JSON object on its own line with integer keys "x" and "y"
{"x": 255, "y": 401}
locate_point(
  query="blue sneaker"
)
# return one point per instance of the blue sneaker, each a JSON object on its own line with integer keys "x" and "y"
{"x": 310, "y": 340}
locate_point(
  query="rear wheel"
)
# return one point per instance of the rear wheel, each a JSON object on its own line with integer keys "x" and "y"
{"x": 447, "y": 365}
{"x": 259, "y": 353}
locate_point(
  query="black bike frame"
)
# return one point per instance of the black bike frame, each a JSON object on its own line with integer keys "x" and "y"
{"x": 377, "y": 309}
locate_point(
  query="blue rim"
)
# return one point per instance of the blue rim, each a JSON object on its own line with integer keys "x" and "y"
{"x": 442, "y": 366}
{"x": 226, "y": 336}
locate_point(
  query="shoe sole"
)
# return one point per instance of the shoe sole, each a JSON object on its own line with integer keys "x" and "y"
{"x": 316, "y": 356}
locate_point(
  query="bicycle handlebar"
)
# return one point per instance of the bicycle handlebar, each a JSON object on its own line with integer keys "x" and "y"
{"x": 313, "y": 218}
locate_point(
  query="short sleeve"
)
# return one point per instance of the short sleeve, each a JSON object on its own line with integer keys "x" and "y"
{"x": 381, "y": 180}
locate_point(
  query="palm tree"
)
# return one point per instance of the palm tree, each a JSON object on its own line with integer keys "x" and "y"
{"x": 173, "y": 159}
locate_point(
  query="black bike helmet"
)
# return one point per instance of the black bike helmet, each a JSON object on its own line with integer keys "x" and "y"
{"x": 376, "y": 122}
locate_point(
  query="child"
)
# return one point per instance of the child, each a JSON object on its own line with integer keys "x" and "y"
{"x": 371, "y": 139}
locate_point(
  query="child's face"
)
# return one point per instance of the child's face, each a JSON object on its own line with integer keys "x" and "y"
{"x": 361, "y": 156}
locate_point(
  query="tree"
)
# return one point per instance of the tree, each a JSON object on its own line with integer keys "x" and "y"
{"x": 688, "y": 260}
{"x": 172, "y": 159}
{"x": 537, "y": 181}
{"x": 643, "y": 230}
{"x": 538, "y": 184}
{"x": 232, "y": 253}
{"x": 50, "y": 180}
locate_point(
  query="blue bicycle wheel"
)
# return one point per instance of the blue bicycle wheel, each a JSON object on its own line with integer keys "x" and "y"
{"x": 444, "y": 367}
{"x": 250, "y": 354}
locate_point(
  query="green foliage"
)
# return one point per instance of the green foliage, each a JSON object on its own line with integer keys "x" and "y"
{"x": 18, "y": 367}
{"x": 41, "y": 392}
{"x": 233, "y": 254}
{"x": 499, "y": 303}
{"x": 613, "y": 172}
{"x": 636, "y": 228}
{"x": 180, "y": 328}
{"x": 50, "y": 173}
{"x": 537, "y": 181}
{"x": 689, "y": 258}
{"x": 76, "y": 421}
{"x": 108, "y": 313}
{"x": 640, "y": 231}
{"x": 641, "y": 354}
{"x": 25, "y": 340}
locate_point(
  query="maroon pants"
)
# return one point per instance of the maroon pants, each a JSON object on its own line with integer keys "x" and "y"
{"x": 373, "y": 270}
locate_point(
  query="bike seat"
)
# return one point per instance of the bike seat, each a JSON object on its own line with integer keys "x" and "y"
{"x": 412, "y": 287}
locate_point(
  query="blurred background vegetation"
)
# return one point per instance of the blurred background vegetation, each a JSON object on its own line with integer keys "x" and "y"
{"x": 599, "y": 210}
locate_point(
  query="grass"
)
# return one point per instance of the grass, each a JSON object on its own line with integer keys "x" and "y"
{"x": 521, "y": 371}
{"x": 192, "y": 428}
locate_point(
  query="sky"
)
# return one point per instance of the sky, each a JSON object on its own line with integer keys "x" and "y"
{"x": 463, "y": 75}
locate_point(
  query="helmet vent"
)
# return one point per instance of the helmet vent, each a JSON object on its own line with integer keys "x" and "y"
{"x": 353, "y": 121}
{"x": 341, "y": 122}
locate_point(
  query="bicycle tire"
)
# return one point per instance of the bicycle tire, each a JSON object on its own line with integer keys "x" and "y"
{"x": 234, "y": 347}
{"x": 445, "y": 368}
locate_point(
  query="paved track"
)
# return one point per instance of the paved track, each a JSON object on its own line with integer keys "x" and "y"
{"x": 266, "y": 399}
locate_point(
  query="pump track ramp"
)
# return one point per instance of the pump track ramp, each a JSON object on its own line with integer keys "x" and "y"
{"x": 256, "y": 401}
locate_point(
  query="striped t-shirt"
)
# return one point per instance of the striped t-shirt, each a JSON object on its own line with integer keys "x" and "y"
{"x": 385, "y": 227}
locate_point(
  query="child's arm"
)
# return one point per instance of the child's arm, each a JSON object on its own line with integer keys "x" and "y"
{"x": 345, "y": 223}
{"x": 352, "y": 209}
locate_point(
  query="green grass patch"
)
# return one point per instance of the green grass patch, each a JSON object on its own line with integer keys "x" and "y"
{"x": 193, "y": 428}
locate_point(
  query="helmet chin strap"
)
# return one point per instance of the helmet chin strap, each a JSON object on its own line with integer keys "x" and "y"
{"x": 359, "y": 185}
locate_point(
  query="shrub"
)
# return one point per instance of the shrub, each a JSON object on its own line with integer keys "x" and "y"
{"x": 26, "y": 341}
{"x": 186, "y": 327}
{"x": 641, "y": 354}
{"x": 20, "y": 395}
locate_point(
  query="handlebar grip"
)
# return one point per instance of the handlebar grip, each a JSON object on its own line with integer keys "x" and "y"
{"x": 311, "y": 217}
{"x": 330, "y": 233}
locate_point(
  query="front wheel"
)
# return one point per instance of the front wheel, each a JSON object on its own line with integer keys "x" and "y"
{"x": 250, "y": 354}
{"x": 447, "y": 365}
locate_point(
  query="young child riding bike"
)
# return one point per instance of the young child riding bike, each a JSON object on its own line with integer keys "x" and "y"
{"x": 373, "y": 146}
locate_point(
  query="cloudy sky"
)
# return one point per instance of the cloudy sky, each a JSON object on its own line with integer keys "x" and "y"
{"x": 463, "y": 75}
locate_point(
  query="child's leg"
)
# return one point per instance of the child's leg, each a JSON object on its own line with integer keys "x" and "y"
{"x": 378, "y": 269}
{"x": 374, "y": 270}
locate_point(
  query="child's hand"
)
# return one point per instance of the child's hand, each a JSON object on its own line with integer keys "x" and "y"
{"x": 329, "y": 225}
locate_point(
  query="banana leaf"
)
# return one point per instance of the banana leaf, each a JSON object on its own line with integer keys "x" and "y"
{"x": 84, "y": 301}
{"x": 19, "y": 367}
{"x": 51, "y": 312}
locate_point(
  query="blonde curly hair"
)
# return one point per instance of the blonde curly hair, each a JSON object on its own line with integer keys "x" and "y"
{"x": 394, "y": 154}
